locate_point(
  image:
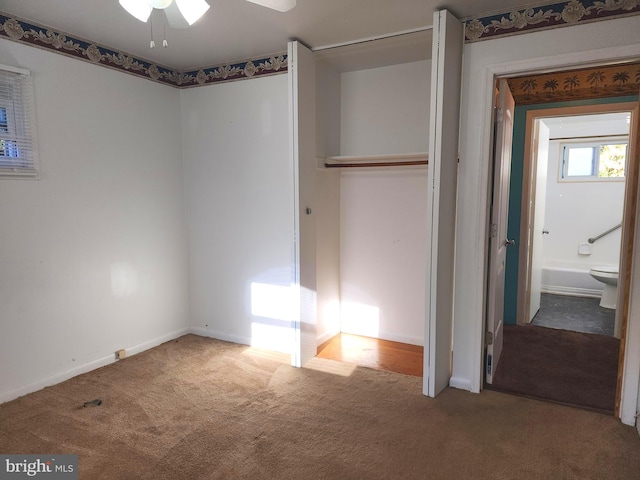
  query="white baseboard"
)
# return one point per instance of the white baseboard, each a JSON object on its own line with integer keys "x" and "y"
{"x": 460, "y": 383}
{"x": 390, "y": 336}
{"x": 397, "y": 337}
{"x": 203, "y": 332}
{"x": 571, "y": 291}
{"x": 156, "y": 341}
{"x": 327, "y": 336}
{"x": 86, "y": 367}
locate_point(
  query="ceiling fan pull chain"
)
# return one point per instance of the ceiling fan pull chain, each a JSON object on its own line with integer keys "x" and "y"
{"x": 165, "y": 44}
{"x": 152, "y": 43}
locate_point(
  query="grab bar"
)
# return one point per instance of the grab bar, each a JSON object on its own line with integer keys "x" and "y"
{"x": 593, "y": 239}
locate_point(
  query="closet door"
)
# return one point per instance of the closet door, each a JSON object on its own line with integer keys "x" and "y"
{"x": 302, "y": 119}
{"x": 442, "y": 180}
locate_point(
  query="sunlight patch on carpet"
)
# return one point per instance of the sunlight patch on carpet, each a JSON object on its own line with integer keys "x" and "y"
{"x": 330, "y": 366}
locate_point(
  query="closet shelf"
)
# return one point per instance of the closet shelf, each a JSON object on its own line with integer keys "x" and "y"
{"x": 386, "y": 160}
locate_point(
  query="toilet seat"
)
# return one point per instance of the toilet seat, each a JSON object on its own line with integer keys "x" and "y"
{"x": 606, "y": 269}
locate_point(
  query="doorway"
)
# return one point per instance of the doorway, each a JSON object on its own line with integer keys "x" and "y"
{"x": 527, "y": 286}
{"x": 577, "y": 188}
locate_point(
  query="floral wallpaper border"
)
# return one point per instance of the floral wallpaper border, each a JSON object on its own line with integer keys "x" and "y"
{"x": 23, "y": 31}
{"x": 549, "y": 16}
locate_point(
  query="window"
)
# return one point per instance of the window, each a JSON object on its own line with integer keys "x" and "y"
{"x": 602, "y": 160}
{"x": 18, "y": 156}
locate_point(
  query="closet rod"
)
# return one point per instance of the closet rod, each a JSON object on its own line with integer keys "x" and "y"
{"x": 376, "y": 164}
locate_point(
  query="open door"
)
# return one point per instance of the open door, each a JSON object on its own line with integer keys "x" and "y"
{"x": 302, "y": 111}
{"x": 498, "y": 243}
{"x": 537, "y": 231}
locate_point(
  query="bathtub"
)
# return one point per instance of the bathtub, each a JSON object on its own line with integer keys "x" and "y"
{"x": 570, "y": 281}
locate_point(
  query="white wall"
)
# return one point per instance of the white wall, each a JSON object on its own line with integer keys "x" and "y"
{"x": 239, "y": 200}
{"x": 558, "y": 48}
{"x": 385, "y": 110}
{"x": 93, "y": 255}
{"x": 383, "y": 253}
{"x": 384, "y": 211}
{"x": 576, "y": 211}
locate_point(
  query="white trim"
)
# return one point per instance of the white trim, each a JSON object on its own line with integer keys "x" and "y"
{"x": 88, "y": 366}
{"x": 571, "y": 291}
{"x": 371, "y": 39}
{"x": 225, "y": 337}
{"x": 461, "y": 383}
{"x": 390, "y": 336}
{"x": 475, "y": 293}
{"x": 326, "y": 336}
{"x": 21, "y": 71}
{"x": 396, "y": 337}
{"x": 567, "y": 61}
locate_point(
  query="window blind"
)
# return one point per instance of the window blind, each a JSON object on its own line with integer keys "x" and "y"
{"x": 18, "y": 152}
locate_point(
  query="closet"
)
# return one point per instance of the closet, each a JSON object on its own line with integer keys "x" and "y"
{"x": 361, "y": 136}
{"x": 372, "y": 123}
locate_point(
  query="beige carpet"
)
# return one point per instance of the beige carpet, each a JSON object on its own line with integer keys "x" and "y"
{"x": 197, "y": 408}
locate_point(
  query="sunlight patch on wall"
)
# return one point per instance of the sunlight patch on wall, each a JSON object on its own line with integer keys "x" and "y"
{"x": 360, "y": 319}
{"x": 330, "y": 316}
{"x": 274, "y": 310}
{"x": 272, "y": 336}
{"x": 273, "y": 301}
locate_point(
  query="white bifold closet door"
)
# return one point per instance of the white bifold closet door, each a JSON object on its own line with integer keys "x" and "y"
{"x": 446, "y": 71}
{"x": 302, "y": 120}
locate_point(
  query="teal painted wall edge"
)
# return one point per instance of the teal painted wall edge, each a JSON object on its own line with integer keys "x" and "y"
{"x": 515, "y": 192}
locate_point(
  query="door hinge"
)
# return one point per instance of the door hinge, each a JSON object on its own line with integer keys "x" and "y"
{"x": 494, "y": 230}
{"x": 499, "y": 115}
{"x": 488, "y": 339}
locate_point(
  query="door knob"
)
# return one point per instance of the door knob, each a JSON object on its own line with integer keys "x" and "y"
{"x": 509, "y": 243}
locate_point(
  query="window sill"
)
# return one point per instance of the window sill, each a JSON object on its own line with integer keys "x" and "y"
{"x": 19, "y": 173}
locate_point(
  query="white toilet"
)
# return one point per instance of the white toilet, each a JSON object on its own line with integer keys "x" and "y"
{"x": 607, "y": 274}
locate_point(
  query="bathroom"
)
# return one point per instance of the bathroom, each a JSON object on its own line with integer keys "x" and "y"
{"x": 582, "y": 213}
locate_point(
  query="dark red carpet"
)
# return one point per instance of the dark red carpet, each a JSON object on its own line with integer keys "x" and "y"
{"x": 567, "y": 367}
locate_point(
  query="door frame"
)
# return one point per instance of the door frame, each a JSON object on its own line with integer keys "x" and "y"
{"x": 629, "y": 375}
{"x": 527, "y": 206}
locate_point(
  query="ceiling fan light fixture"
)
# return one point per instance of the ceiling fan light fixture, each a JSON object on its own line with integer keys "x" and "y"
{"x": 160, "y": 4}
{"x": 139, "y": 9}
{"x": 192, "y": 10}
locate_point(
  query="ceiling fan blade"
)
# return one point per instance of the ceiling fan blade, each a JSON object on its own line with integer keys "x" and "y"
{"x": 174, "y": 17}
{"x": 192, "y": 10}
{"x": 279, "y": 5}
{"x": 141, "y": 9}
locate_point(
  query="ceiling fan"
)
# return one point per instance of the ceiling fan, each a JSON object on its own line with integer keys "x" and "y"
{"x": 182, "y": 13}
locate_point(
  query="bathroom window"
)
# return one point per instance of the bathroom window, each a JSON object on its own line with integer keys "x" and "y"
{"x": 18, "y": 156}
{"x": 603, "y": 160}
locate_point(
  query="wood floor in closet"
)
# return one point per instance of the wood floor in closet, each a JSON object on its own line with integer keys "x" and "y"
{"x": 374, "y": 353}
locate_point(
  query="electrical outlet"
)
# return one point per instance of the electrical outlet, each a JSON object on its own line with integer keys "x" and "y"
{"x": 120, "y": 354}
